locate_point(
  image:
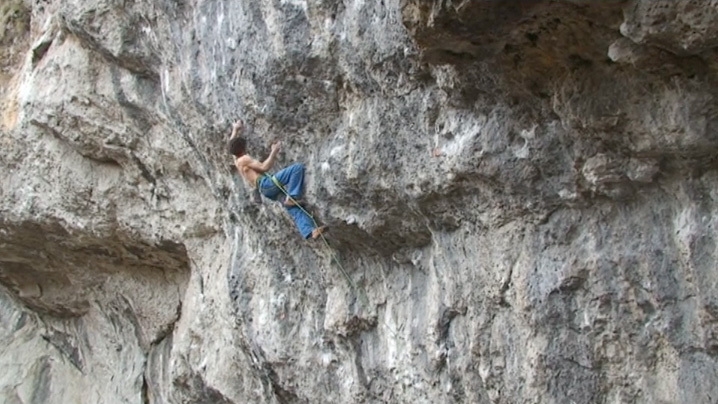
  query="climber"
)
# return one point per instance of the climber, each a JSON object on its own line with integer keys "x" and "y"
{"x": 291, "y": 180}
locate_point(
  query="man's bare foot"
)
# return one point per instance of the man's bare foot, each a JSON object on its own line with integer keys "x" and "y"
{"x": 316, "y": 233}
{"x": 292, "y": 202}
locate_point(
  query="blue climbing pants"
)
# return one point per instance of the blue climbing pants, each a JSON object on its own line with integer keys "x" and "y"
{"x": 292, "y": 179}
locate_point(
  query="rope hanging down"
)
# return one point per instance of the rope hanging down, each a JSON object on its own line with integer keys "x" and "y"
{"x": 359, "y": 292}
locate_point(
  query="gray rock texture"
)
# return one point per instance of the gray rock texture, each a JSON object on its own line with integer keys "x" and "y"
{"x": 520, "y": 196}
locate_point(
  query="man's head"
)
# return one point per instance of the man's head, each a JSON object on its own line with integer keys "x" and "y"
{"x": 237, "y": 146}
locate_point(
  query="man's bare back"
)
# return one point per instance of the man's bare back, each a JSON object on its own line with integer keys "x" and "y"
{"x": 249, "y": 175}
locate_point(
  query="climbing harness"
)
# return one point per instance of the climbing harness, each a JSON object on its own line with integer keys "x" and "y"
{"x": 359, "y": 292}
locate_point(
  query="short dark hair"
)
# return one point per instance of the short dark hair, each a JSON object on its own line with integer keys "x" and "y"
{"x": 237, "y": 146}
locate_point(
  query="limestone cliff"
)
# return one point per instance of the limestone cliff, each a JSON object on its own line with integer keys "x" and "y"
{"x": 522, "y": 193}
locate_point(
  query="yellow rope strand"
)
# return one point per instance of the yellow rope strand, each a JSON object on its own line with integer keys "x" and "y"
{"x": 356, "y": 290}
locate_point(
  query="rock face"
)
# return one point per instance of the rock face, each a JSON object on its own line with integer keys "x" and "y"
{"x": 520, "y": 194}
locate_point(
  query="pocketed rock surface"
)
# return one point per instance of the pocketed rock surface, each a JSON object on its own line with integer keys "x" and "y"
{"x": 520, "y": 196}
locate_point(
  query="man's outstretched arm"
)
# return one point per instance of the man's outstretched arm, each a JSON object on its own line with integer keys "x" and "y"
{"x": 236, "y": 128}
{"x": 265, "y": 165}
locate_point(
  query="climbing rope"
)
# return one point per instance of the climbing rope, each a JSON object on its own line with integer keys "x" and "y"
{"x": 358, "y": 291}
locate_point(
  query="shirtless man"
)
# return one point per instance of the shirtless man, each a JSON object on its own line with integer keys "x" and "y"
{"x": 291, "y": 178}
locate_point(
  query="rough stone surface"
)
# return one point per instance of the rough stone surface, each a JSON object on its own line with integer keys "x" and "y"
{"x": 521, "y": 195}
{"x": 682, "y": 26}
